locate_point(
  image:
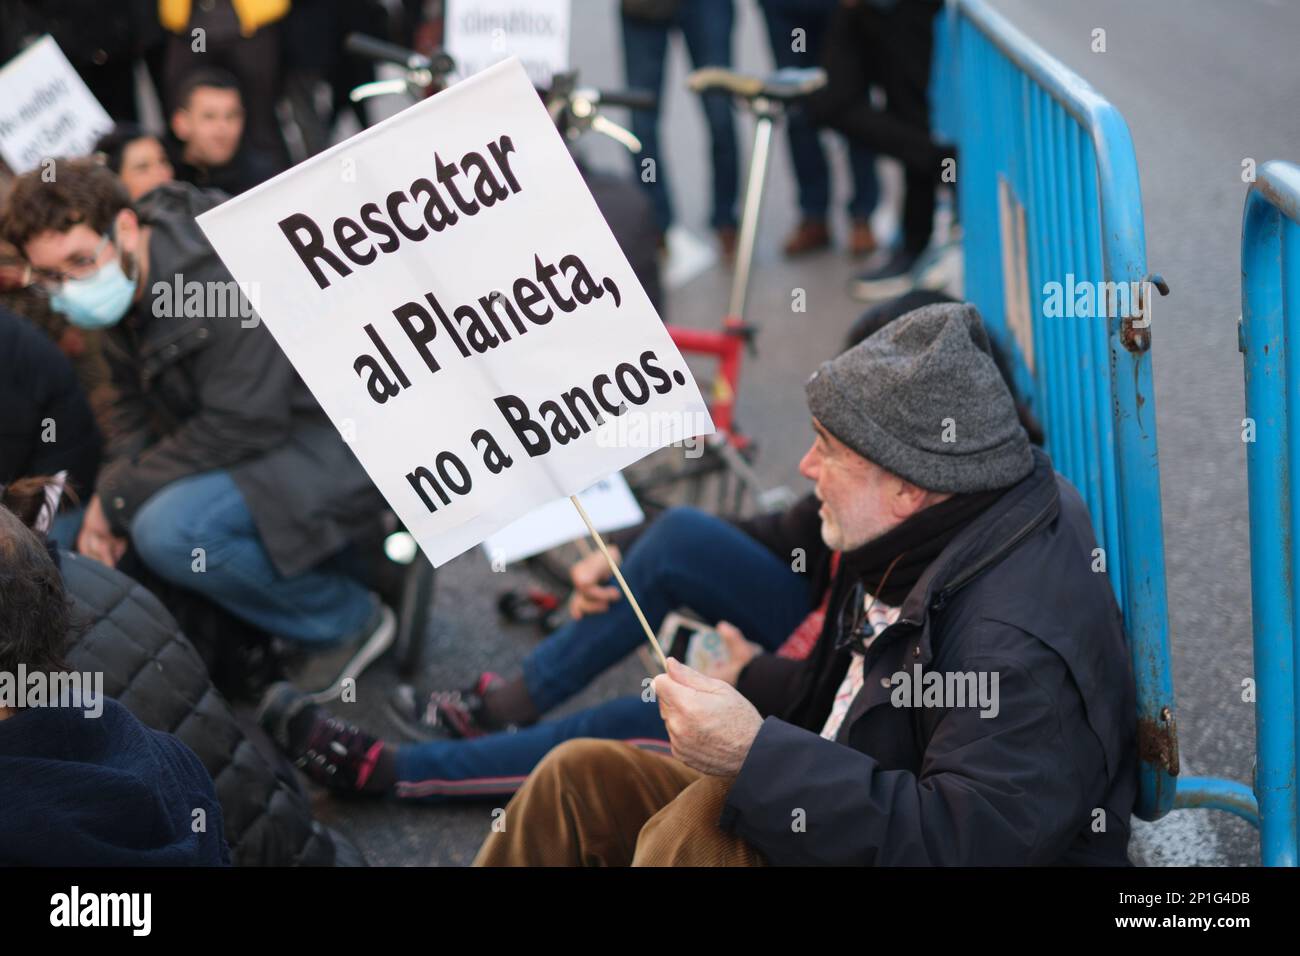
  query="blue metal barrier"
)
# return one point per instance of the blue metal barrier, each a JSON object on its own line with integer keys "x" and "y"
{"x": 1270, "y": 339}
{"x": 1051, "y": 211}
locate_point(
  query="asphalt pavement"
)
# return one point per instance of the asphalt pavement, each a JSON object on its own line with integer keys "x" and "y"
{"x": 1204, "y": 85}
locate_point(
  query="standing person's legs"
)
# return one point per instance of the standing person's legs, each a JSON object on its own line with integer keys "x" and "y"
{"x": 906, "y": 82}
{"x": 644, "y": 47}
{"x": 199, "y": 534}
{"x": 687, "y": 558}
{"x": 496, "y": 765}
{"x": 706, "y": 26}
{"x": 585, "y": 805}
{"x": 812, "y": 174}
{"x": 861, "y": 38}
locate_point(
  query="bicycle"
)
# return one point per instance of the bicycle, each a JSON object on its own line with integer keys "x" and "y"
{"x": 727, "y": 456}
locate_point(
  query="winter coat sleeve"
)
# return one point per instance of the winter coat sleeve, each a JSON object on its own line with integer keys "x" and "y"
{"x": 1002, "y": 790}
{"x": 245, "y": 385}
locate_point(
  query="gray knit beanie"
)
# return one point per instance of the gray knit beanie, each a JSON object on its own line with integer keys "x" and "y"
{"x": 922, "y": 398}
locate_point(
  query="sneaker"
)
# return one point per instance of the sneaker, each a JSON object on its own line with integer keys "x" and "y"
{"x": 443, "y": 713}
{"x": 940, "y": 269}
{"x": 811, "y": 235}
{"x": 327, "y": 669}
{"x": 888, "y": 276}
{"x": 334, "y": 754}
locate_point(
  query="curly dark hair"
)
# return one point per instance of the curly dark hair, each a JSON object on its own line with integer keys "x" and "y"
{"x": 35, "y": 614}
{"x": 71, "y": 192}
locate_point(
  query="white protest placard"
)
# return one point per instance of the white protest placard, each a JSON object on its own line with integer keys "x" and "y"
{"x": 445, "y": 285}
{"x": 479, "y": 33}
{"x": 46, "y": 109}
{"x": 609, "y": 503}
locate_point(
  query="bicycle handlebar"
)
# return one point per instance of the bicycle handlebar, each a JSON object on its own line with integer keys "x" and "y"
{"x": 632, "y": 99}
{"x": 361, "y": 44}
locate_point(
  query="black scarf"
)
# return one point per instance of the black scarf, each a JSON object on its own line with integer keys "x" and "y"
{"x": 888, "y": 567}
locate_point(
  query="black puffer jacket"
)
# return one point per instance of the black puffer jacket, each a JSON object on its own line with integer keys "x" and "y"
{"x": 150, "y": 667}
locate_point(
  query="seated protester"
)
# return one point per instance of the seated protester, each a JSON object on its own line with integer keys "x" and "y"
{"x": 224, "y": 476}
{"x": 153, "y": 670}
{"x": 82, "y": 782}
{"x": 970, "y": 700}
{"x": 739, "y": 575}
{"x": 138, "y": 158}
{"x": 47, "y": 425}
{"x": 208, "y": 127}
{"x": 82, "y": 346}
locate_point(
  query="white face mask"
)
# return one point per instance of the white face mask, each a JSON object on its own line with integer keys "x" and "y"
{"x": 98, "y": 300}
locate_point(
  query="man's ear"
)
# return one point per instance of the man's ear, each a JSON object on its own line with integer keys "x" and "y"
{"x": 127, "y": 226}
{"x": 181, "y": 124}
{"x": 908, "y": 498}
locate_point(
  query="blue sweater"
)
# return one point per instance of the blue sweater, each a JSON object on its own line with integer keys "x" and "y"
{"x": 105, "y": 791}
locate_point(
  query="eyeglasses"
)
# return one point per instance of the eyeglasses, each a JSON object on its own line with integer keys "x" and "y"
{"x": 82, "y": 266}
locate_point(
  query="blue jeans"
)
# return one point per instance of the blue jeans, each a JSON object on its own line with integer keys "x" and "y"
{"x": 812, "y": 172}
{"x": 684, "y": 559}
{"x": 706, "y": 28}
{"x": 208, "y": 511}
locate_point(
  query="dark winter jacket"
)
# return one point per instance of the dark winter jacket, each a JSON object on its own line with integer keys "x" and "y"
{"x": 105, "y": 790}
{"x": 45, "y": 422}
{"x": 199, "y": 392}
{"x": 1051, "y": 779}
{"x": 150, "y": 667}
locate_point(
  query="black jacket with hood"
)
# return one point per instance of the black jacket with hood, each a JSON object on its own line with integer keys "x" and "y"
{"x": 1050, "y": 779}
{"x": 201, "y": 391}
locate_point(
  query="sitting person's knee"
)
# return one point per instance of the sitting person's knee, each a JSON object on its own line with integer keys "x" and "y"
{"x": 159, "y": 534}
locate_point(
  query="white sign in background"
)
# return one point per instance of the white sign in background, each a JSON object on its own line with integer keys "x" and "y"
{"x": 609, "y": 504}
{"x": 46, "y": 109}
{"x": 368, "y": 206}
{"x": 479, "y": 33}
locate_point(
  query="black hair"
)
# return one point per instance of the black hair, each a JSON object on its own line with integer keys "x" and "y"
{"x": 209, "y": 76}
{"x": 35, "y": 614}
{"x": 112, "y": 145}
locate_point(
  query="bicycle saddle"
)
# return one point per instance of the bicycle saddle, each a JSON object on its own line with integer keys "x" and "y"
{"x": 788, "y": 84}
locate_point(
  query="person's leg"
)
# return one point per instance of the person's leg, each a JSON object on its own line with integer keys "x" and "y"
{"x": 585, "y": 805}
{"x": 496, "y": 765}
{"x": 706, "y": 26}
{"x": 199, "y": 534}
{"x": 812, "y": 174}
{"x": 686, "y": 832}
{"x": 906, "y": 81}
{"x": 644, "y": 47}
{"x": 686, "y": 558}
{"x": 865, "y": 44}
{"x": 866, "y": 185}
